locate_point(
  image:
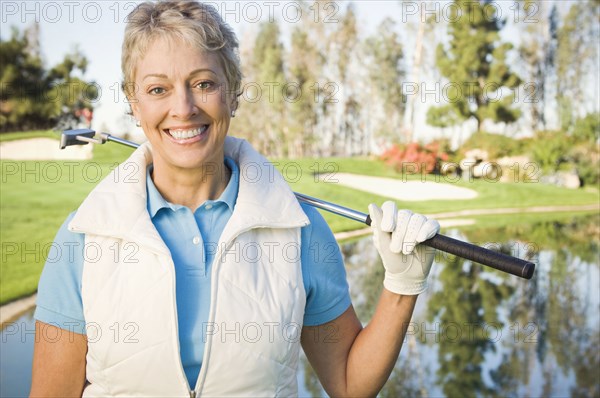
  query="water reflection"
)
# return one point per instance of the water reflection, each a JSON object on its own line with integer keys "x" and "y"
{"x": 478, "y": 332}
{"x": 16, "y": 353}
{"x": 475, "y": 332}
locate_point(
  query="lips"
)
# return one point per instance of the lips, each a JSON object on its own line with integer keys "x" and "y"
{"x": 187, "y": 133}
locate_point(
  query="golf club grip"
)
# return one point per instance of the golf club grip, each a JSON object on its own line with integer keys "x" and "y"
{"x": 497, "y": 260}
{"x": 500, "y": 261}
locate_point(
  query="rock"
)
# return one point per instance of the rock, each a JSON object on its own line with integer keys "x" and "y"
{"x": 566, "y": 179}
{"x": 477, "y": 154}
{"x": 569, "y": 180}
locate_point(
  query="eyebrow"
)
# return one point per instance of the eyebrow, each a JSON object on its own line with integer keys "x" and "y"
{"x": 194, "y": 72}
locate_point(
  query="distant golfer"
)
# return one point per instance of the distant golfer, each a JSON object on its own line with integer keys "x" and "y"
{"x": 192, "y": 269}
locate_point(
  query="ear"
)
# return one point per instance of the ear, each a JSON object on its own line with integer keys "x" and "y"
{"x": 135, "y": 107}
{"x": 135, "y": 111}
{"x": 233, "y": 106}
{"x": 129, "y": 91}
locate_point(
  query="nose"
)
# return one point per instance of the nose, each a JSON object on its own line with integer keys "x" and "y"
{"x": 183, "y": 105}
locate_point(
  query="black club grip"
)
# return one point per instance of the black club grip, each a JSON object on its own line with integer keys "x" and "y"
{"x": 500, "y": 261}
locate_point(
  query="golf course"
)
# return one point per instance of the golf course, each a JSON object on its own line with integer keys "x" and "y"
{"x": 37, "y": 196}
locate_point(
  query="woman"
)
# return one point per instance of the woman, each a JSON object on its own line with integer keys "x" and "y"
{"x": 195, "y": 270}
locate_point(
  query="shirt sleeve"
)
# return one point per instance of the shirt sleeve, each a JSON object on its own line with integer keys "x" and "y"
{"x": 58, "y": 300}
{"x": 323, "y": 271}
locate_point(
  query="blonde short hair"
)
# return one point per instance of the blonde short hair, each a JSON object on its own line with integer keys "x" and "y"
{"x": 196, "y": 24}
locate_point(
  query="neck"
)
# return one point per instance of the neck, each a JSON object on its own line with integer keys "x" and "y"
{"x": 191, "y": 187}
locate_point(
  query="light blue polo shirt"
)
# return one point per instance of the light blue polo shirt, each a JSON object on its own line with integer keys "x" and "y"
{"x": 192, "y": 239}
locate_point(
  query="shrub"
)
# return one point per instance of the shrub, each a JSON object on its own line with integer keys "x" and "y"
{"x": 496, "y": 145}
{"x": 585, "y": 154}
{"x": 587, "y": 129}
{"x": 586, "y": 160}
{"x": 548, "y": 149}
{"x": 415, "y": 158}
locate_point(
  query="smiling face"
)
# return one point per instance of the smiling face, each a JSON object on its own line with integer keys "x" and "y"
{"x": 183, "y": 105}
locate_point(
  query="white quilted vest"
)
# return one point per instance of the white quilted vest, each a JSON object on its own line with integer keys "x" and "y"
{"x": 128, "y": 289}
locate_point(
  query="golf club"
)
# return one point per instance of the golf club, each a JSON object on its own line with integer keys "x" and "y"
{"x": 502, "y": 262}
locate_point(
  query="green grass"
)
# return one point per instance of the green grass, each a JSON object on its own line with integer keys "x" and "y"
{"x": 33, "y": 205}
{"x": 491, "y": 195}
{"x": 510, "y": 220}
{"x": 4, "y": 137}
{"x": 35, "y": 199}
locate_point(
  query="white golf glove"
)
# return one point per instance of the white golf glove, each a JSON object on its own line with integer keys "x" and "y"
{"x": 397, "y": 235}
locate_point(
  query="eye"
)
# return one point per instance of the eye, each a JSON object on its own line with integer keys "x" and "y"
{"x": 205, "y": 85}
{"x": 156, "y": 91}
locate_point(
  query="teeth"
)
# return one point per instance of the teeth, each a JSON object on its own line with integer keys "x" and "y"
{"x": 186, "y": 134}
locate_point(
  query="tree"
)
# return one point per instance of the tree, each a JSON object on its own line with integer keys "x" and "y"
{"x": 538, "y": 52}
{"x": 475, "y": 64}
{"x": 32, "y": 97}
{"x": 341, "y": 105}
{"x": 74, "y": 94}
{"x": 576, "y": 56}
{"x": 386, "y": 73}
{"x": 268, "y": 71}
{"x": 426, "y": 39}
{"x": 21, "y": 80}
{"x": 442, "y": 116}
{"x": 305, "y": 64}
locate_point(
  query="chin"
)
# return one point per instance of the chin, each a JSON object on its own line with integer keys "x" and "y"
{"x": 195, "y": 162}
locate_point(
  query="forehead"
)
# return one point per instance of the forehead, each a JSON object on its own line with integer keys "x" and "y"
{"x": 175, "y": 58}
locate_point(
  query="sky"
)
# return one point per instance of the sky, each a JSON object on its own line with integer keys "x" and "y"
{"x": 96, "y": 28}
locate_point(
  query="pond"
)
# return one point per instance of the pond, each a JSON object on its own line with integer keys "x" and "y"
{"x": 475, "y": 332}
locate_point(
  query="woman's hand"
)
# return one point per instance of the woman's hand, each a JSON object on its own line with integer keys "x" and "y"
{"x": 397, "y": 235}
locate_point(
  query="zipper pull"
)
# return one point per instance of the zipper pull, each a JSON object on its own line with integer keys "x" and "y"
{"x": 192, "y": 393}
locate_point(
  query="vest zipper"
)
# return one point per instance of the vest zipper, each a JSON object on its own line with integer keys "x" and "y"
{"x": 187, "y": 384}
{"x": 207, "y": 344}
{"x": 214, "y": 285}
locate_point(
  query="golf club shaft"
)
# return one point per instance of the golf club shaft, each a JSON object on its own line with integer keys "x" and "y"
{"x": 499, "y": 261}
{"x": 496, "y": 260}
{"x": 121, "y": 141}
